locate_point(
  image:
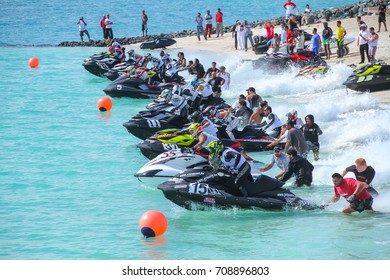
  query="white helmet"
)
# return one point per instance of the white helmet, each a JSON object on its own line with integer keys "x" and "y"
{"x": 176, "y": 99}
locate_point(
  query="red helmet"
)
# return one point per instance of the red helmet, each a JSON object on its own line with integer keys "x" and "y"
{"x": 110, "y": 49}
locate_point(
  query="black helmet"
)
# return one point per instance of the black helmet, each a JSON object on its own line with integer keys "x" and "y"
{"x": 196, "y": 117}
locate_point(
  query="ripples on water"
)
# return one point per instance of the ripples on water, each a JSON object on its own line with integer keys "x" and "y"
{"x": 68, "y": 191}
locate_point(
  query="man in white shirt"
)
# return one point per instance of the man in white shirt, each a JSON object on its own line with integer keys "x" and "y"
{"x": 281, "y": 161}
{"x": 108, "y": 22}
{"x": 82, "y": 28}
{"x": 362, "y": 42}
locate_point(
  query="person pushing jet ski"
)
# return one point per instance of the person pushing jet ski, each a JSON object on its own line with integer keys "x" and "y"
{"x": 232, "y": 161}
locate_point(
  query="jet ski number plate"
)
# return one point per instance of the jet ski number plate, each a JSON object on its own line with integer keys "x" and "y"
{"x": 169, "y": 146}
{"x": 203, "y": 189}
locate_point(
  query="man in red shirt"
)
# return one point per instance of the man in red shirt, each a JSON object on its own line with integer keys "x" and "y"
{"x": 103, "y": 26}
{"x": 270, "y": 32}
{"x": 219, "y": 21}
{"x": 353, "y": 191}
{"x": 289, "y": 40}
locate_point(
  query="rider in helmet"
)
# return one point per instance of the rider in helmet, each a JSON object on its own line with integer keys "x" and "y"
{"x": 232, "y": 161}
{"x": 207, "y": 125}
{"x": 204, "y": 138}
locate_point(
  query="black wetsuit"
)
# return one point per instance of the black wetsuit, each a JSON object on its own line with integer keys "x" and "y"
{"x": 215, "y": 83}
{"x": 302, "y": 169}
{"x": 311, "y": 133}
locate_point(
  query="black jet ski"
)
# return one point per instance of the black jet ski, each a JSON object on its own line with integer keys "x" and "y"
{"x": 119, "y": 70}
{"x": 369, "y": 78}
{"x": 275, "y": 62}
{"x": 99, "y": 64}
{"x": 144, "y": 127}
{"x": 134, "y": 87}
{"x": 158, "y": 43}
{"x": 251, "y": 138}
{"x": 220, "y": 192}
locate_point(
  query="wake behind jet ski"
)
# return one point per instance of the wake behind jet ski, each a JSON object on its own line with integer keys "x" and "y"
{"x": 369, "y": 78}
{"x": 264, "y": 193}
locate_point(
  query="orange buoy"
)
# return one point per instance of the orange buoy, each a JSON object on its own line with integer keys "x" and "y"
{"x": 33, "y": 62}
{"x": 104, "y": 104}
{"x": 153, "y": 223}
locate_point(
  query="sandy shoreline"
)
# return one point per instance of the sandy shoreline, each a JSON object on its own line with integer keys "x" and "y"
{"x": 225, "y": 45}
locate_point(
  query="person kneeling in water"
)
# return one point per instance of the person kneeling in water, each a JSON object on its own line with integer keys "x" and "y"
{"x": 299, "y": 166}
{"x": 232, "y": 161}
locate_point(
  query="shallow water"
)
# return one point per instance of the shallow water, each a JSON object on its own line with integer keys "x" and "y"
{"x": 67, "y": 189}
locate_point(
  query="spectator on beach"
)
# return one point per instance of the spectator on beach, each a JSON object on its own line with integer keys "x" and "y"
{"x": 103, "y": 26}
{"x": 353, "y": 191}
{"x": 240, "y": 36}
{"x": 226, "y": 76}
{"x": 362, "y": 42}
{"x": 307, "y": 14}
{"x": 363, "y": 173}
{"x": 292, "y": 23}
{"x": 382, "y": 15}
{"x": 289, "y": 6}
{"x": 199, "y": 27}
{"x": 82, "y": 28}
{"x": 108, "y": 22}
{"x": 300, "y": 41}
{"x": 144, "y": 18}
{"x": 340, "y": 34}
{"x": 311, "y": 131}
{"x": 282, "y": 34}
{"x": 289, "y": 40}
{"x": 316, "y": 42}
{"x": 270, "y": 32}
{"x": 281, "y": 160}
{"x": 234, "y": 33}
{"x": 275, "y": 43}
{"x": 372, "y": 45}
{"x": 248, "y": 34}
{"x": 359, "y": 21}
{"x": 209, "y": 23}
{"x": 219, "y": 22}
{"x": 327, "y": 34}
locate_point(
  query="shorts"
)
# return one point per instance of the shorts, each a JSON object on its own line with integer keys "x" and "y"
{"x": 382, "y": 18}
{"x": 325, "y": 41}
{"x": 361, "y": 205}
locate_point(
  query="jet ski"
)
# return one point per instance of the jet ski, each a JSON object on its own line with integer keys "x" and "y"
{"x": 219, "y": 192}
{"x": 172, "y": 162}
{"x": 100, "y": 63}
{"x": 275, "y": 62}
{"x": 369, "y": 78}
{"x": 313, "y": 71}
{"x": 261, "y": 47}
{"x": 119, "y": 70}
{"x": 158, "y": 43}
{"x": 134, "y": 87}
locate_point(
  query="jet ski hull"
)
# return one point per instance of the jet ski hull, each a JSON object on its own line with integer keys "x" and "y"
{"x": 99, "y": 68}
{"x": 144, "y": 128}
{"x": 201, "y": 196}
{"x": 369, "y": 78}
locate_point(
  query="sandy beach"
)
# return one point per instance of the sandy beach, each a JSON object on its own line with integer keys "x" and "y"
{"x": 225, "y": 44}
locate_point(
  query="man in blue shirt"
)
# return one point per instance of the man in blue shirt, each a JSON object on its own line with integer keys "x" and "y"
{"x": 316, "y": 42}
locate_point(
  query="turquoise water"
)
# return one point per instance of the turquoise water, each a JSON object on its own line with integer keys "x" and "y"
{"x": 67, "y": 189}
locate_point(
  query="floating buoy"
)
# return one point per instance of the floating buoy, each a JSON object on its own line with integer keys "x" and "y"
{"x": 153, "y": 223}
{"x": 33, "y": 62}
{"x": 104, "y": 104}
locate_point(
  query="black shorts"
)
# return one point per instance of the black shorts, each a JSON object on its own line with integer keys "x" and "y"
{"x": 382, "y": 18}
{"x": 361, "y": 205}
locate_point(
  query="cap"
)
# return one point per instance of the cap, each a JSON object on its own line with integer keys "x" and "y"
{"x": 277, "y": 148}
{"x": 251, "y": 89}
{"x": 291, "y": 113}
{"x": 363, "y": 25}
